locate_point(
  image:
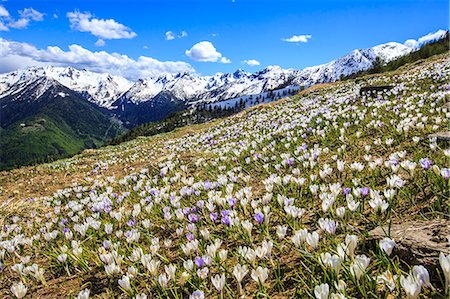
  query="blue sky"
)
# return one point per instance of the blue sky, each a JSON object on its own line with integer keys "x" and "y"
{"x": 239, "y": 31}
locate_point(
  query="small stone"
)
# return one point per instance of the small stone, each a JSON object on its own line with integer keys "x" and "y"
{"x": 441, "y": 136}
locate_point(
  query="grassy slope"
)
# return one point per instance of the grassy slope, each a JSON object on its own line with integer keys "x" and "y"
{"x": 70, "y": 125}
{"x": 37, "y": 141}
{"x": 293, "y": 271}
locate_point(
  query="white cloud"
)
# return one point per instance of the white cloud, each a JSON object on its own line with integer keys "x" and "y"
{"x": 100, "y": 43}
{"x": 26, "y": 16}
{"x": 206, "y": 52}
{"x": 170, "y": 35}
{"x": 297, "y": 38}
{"x": 30, "y": 13}
{"x": 22, "y": 54}
{"x": 19, "y": 24}
{"x": 3, "y": 27}
{"x": 430, "y": 37}
{"x": 251, "y": 62}
{"x": 3, "y": 11}
{"x": 104, "y": 29}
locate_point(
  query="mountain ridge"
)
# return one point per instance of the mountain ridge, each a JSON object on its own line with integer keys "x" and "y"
{"x": 110, "y": 91}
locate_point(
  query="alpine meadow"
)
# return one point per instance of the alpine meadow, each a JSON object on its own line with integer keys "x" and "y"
{"x": 224, "y": 149}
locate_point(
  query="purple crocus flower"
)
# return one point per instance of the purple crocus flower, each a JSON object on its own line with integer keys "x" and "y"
{"x": 365, "y": 191}
{"x": 131, "y": 222}
{"x": 259, "y": 217}
{"x": 190, "y": 236}
{"x": 197, "y": 295}
{"x": 199, "y": 261}
{"x": 63, "y": 221}
{"x": 226, "y": 220}
{"x": 426, "y": 163}
{"x": 66, "y": 230}
{"x": 347, "y": 190}
{"x": 232, "y": 202}
{"x": 225, "y": 213}
{"x": 207, "y": 185}
{"x": 290, "y": 161}
{"x": 193, "y": 218}
{"x": 213, "y": 217}
{"x": 200, "y": 204}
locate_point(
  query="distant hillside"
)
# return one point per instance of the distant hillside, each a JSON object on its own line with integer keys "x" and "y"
{"x": 45, "y": 121}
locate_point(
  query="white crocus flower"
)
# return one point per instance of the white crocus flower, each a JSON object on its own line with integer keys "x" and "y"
{"x": 410, "y": 286}
{"x": 218, "y": 281}
{"x": 19, "y": 289}
{"x": 359, "y": 265}
{"x": 322, "y": 291}
{"x": 387, "y": 279}
{"x": 84, "y": 294}
{"x": 313, "y": 239}
{"x": 387, "y": 245}
{"x": 260, "y": 274}
{"x": 124, "y": 283}
{"x": 445, "y": 265}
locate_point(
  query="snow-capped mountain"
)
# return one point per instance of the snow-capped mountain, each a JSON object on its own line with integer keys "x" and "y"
{"x": 99, "y": 88}
{"x": 192, "y": 88}
{"x": 156, "y": 97}
{"x": 353, "y": 62}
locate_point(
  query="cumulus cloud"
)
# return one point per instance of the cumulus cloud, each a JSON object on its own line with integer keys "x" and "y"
{"x": 251, "y": 62}
{"x": 3, "y": 27}
{"x": 100, "y": 43}
{"x": 30, "y": 13}
{"x": 430, "y": 37}
{"x": 206, "y": 52}
{"x": 182, "y": 34}
{"x": 170, "y": 35}
{"x": 297, "y": 38}
{"x": 20, "y": 55}
{"x": 19, "y": 24}
{"x": 3, "y": 11}
{"x": 103, "y": 29}
{"x": 26, "y": 16}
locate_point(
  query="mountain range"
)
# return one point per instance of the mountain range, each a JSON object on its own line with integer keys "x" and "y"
{"x": 92, "y": 107}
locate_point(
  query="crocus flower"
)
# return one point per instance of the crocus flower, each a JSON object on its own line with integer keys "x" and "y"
{"x": 19, "y": 289}
{"x": 387, "y": 245}
{"x": 410, "y": 286}
{"x": 322, "y": 291}
{"x": 444, "y": 260}
{"x": 197, "y": 295}
{"x": 260, "y": 274}
{"x": 387, "y": 279}
{"x": 199, "y": 261}
{"x": 426, "y": 163}
{"x": 259, "y": 217}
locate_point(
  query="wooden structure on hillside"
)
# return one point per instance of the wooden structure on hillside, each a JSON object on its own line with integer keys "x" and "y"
{"x": 373, "y": 90}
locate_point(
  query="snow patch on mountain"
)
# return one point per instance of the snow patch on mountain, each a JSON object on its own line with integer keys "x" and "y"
{"x": 101, "y": 89}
